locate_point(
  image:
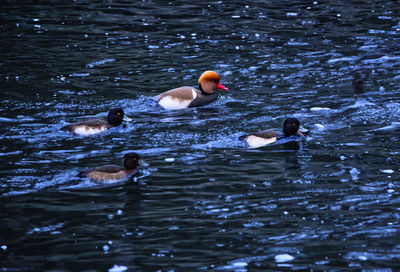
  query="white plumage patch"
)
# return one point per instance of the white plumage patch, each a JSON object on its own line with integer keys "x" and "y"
{"x": 85, "y": 130}
{"x": 255, "y": 141}
{"x": 170, "y": 102}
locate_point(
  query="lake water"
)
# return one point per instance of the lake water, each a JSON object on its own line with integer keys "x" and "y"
{"x": 206, "y": 202}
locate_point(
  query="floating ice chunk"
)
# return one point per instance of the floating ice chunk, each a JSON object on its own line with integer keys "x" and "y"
{"x": 4, "y": 247}
{"x": 320, "y": 126}
{"x": 169, "y": 159}
{"x": 281, "y": 258}
{"x": 387, "y": 171}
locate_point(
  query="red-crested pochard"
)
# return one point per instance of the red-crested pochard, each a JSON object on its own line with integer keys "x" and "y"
{"x": 187, "y": 97}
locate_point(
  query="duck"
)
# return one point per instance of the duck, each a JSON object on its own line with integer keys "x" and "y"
{"x": 188, "y": 97}
{"x": 291, "y": 127}
{"x": 94, "y": 126}
{"x": 112, "y": 173}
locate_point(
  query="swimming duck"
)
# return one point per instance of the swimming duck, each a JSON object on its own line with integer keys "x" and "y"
{"x": 291, "y": 127}
{"x": 110, "y": 173}
{"x": 187, "y": 97}
{"x": 90, "y": 127}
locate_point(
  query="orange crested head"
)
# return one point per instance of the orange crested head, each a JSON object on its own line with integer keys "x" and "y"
{"x": 209, "y": 76}
{"x": 209, "y": 82}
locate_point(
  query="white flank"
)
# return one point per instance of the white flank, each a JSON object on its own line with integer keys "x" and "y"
{"x": 255, "y": 141}
{"x": 82, "y": 130}
{"x": 171, "y": 103}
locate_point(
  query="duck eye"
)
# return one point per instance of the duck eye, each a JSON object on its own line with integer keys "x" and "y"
{"x": 118, "y": 113}
{"x": 294, "y": 124}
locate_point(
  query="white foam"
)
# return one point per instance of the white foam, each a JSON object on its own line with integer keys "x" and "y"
{"x": 393, "y": 126}
{"x": 118, "y": 268}
{"x": 354, "y": 173}
{"x": 169, "y": 159}
{"x": 319, "y": 109}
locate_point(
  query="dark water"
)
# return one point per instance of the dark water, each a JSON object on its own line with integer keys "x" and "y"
{"x": 206, "y": 202}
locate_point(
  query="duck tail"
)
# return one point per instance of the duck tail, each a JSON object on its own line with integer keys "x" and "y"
{"x": 66, "y": 128}
{"x": 82, "y": 174}
{"x": 243, "y": 137}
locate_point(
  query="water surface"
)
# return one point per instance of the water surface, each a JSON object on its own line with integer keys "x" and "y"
{"x": 206, "y": 202}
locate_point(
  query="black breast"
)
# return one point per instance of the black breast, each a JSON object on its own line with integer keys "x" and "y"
{"x": 203, "y": 99}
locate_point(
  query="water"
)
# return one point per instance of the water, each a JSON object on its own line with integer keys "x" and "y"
{"x": 206, "y": 202}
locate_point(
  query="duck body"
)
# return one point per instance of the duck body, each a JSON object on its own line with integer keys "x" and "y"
{"x": 88, "y": 127}
{"x": 262, "y": 138}
{"x": 114, "y": 173}
{"x": 184, "y": 97}
{"x": 291, "y": 128}
{"x": 188, "y": 97}
{"x": 107, "y": 173}
{"x": 94, "y": 126}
